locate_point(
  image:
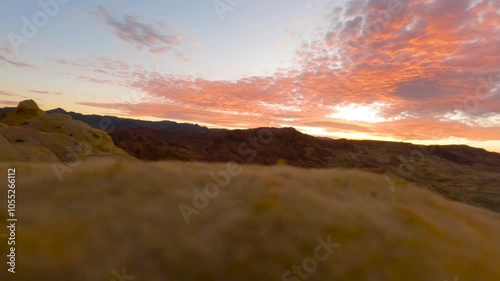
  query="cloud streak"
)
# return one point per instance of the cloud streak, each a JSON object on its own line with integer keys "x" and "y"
{"x": 45, "y": 92}
{"x": 157, "y": 38}
{"x": 2, "y": 93}
{"x": 14, "y": 63}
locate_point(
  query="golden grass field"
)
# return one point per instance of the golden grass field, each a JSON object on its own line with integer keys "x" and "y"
{"x": 113, "y": 214}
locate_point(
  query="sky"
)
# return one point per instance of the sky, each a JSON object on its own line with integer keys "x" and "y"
{"x": 421, "y": 71}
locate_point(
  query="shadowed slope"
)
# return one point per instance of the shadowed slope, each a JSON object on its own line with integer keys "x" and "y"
{"x": 459, "y": 172}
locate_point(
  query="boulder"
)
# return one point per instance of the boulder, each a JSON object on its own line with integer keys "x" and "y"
{"x": 27, "y": 109}
{"x": 97, "y": 140}
{"x": 58, "y": 144}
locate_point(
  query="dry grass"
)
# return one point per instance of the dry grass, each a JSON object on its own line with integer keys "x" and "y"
{"x": 113, "y": 214}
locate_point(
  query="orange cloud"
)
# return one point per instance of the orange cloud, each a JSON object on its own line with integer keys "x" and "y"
{"x": 429, "y": 65}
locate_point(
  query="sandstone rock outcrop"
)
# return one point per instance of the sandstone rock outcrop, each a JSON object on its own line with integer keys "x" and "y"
{"x": 27, "y": 109}
{"x": 28, "y": 134}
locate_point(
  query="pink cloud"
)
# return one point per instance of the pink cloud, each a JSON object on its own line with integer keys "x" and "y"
{"x": 6, "y": 50}
{"x": 422, "y": 62}
{"x": 14, "y": 63}
{"x": 9, "y": 103}
{"x": 2, "y": 93}
{"x": 155, "y": 37}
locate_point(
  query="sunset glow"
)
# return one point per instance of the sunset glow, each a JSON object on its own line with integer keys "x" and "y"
{"x": 422, "y": 71}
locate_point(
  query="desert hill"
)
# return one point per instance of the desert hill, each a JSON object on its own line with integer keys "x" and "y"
{"x": 111, "y": 215}
{"x": 459, "y": 172}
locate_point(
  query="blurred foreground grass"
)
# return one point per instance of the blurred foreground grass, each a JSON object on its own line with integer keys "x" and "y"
{"x": 110, "y": 214}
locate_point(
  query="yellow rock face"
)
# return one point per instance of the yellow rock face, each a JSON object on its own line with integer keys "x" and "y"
{"x": 59, "y": 145}
{"x": 28, "y": 153}
{"x": 36, "y": 136}
{"x": 99, "y": 141}
{"x": 27, "y": 109}
{"x": 260, "y": 223}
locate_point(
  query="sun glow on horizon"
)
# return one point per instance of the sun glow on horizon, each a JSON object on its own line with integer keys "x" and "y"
{"x": 359, "y": 112}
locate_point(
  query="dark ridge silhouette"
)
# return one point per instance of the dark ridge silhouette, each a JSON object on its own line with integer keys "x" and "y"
{"x": 95, "y": 122}
{"x": 5, "y": 110}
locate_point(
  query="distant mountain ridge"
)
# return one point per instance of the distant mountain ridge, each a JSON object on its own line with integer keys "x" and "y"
{"x": 95, "y": 121}
{"x": 5, "y": 110}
